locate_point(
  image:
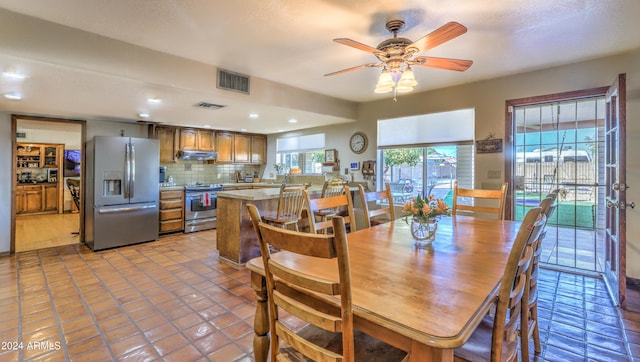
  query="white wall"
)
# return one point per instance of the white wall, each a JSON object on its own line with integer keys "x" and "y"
{"x": 5, "y": 181}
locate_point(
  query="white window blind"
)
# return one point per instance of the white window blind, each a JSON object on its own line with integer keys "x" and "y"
{"x": 300, "y": 143}
{"x": 435, "y": 128}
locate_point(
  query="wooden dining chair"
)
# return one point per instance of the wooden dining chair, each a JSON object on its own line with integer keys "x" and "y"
{"x": 378, "y": 197}
{"x": 329, "y": 189}
{"x": 529, "y": 327}
{"x": 312, "y": 298}
{"x": 336, "y": 203}
{"x": 497, "y": 197}
{"x": 496, "y": 338}
{"x": 290, "y": 205}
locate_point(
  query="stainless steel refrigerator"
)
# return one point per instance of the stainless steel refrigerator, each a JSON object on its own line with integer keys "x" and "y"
{"x": 122, "y": 187}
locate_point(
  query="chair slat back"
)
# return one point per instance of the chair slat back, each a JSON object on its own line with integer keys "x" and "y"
{"x": 375, "y": 196}
{"x": 513, "y": 292}
{"x": 547, "y": 206}
{"x": 291, "y": 201}
{"x": 498, "y": 196}
{"x": 332, "y": 189}
{"x": 338, "y": 202}
{"x": 281, "y": 281}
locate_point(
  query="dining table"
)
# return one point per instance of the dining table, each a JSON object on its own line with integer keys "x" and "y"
{"x": 426, "y": 301}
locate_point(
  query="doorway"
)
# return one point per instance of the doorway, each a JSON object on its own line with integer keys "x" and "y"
{"x": 47, "y": 155}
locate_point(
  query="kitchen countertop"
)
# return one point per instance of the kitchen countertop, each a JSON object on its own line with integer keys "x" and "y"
{"x": 262, "y": 193}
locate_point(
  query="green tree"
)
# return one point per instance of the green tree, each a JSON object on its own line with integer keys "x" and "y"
{"x": 402, "y": 156}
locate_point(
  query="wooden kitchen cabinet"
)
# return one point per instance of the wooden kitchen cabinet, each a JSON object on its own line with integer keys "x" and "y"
{"x": 29, "y": 199}
{"x": 36, "y": 198}
{"x": 206, "y": 140}
{"x": 171, "y": 211}
{"x": 224, "y": 147}
{"x": 168, "y": 137}
{"x": 38, "y": 155}
{"x": 242, "y": 148}
{"x": 50, "y": 194}
{"x": 258, "y": 149}
{"x": 188, "y": 139}
{"x": 192, "y": 139}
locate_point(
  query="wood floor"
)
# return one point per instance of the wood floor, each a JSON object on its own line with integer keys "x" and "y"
{"x": 46, "y": 230}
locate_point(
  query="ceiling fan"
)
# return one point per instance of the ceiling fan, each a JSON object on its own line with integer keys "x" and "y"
{"x": 396, "y": 56}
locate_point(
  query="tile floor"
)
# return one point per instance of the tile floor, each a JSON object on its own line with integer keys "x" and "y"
{"x": 174, "y": 300}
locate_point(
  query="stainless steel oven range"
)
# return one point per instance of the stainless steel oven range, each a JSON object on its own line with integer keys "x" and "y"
{"x": 200, "y": 207}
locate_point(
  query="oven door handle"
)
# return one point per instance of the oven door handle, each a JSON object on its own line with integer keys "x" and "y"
{"x": 200, "y": 221}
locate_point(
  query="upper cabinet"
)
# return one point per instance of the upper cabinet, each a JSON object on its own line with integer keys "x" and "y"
{"x": 250, "y": 148}
{"x": 206, "y": 140}
{"x": 224, "y": 147}
{"x": 258, "y": 149}
{"x": 242, "y": 148}
{"x": 192, "y": 139}
{"x": 231, "y": 147}
{"x": 38, "y": 155}
{"x": 168, "y": 137}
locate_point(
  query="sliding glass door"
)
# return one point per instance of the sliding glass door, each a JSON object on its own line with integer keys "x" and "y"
{"x": 427, "y": 170}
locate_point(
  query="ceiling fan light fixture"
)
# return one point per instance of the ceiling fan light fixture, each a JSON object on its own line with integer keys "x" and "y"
{"x": 385, "y": 80}
{"x": 407, "y": 79}
{"x": 383, "y": 89}
{"x": 403, "y": 88}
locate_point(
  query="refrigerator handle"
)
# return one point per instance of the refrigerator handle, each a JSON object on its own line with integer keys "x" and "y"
{"x": 132, "y": 170}
{"x": 127, "y": 171}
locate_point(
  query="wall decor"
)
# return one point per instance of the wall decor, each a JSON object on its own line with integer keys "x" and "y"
{"x": 489, "y": 145}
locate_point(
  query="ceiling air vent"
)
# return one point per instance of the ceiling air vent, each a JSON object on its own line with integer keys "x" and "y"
{"x": 207, "y": 105}
{"x": 233, "y": 81}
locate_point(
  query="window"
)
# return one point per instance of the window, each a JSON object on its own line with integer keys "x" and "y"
{"x": 424, "y": 155}
{"x": 301, "y": 154}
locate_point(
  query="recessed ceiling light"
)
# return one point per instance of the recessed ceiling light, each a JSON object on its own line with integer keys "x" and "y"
{"x": 154, "y": 100}
{"x": 143, "y": 115}
{"x": 13, "y": 96}
{"x": 253, "y": 115}
{"x": 243, "y": 130}
{"x": 207, "y": 126}
{"x": 13, "y": 75}
{"x": 293, "y": 120}
{"x": 280, "y": 130}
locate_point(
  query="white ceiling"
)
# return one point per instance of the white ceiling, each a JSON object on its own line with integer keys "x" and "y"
{"x": 102, "y": 59}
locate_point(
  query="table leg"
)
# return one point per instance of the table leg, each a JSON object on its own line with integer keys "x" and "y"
{"x": 261, "y": 319}
{"x": 421, "y": 352}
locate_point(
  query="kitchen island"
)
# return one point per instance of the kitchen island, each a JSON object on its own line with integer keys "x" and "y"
{"x": 236, "y": 239}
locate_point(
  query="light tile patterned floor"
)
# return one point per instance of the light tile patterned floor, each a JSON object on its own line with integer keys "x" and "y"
{"x": 174, "y": 300}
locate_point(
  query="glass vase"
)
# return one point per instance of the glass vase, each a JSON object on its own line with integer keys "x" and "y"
{"x": 424, "y": 231}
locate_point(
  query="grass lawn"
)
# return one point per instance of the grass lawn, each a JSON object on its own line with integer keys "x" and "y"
{"x": 568, "y": 213}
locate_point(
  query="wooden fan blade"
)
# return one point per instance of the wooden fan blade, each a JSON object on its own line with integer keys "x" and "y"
{"x": 441, "y": 35}
{"x": 353, "y": 68}
{"x": 444, "y": 63}
{"x": 357, "y": 45}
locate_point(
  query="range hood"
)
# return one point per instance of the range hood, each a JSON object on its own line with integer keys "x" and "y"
{"x": 197, "y": 155}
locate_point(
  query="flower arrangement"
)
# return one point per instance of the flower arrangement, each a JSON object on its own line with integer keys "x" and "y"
{"x": 425, "y": 209}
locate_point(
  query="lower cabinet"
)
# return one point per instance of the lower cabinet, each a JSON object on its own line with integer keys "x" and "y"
{"x": 36, "y": 198}
{"x": 50, "y": 198}
{"x": 171, "y": 211}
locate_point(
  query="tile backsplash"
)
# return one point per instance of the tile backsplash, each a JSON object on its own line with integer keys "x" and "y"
{"x": 190, "y": 172}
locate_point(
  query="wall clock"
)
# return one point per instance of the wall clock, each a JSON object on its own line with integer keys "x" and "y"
{"x": 358, "y": 142}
